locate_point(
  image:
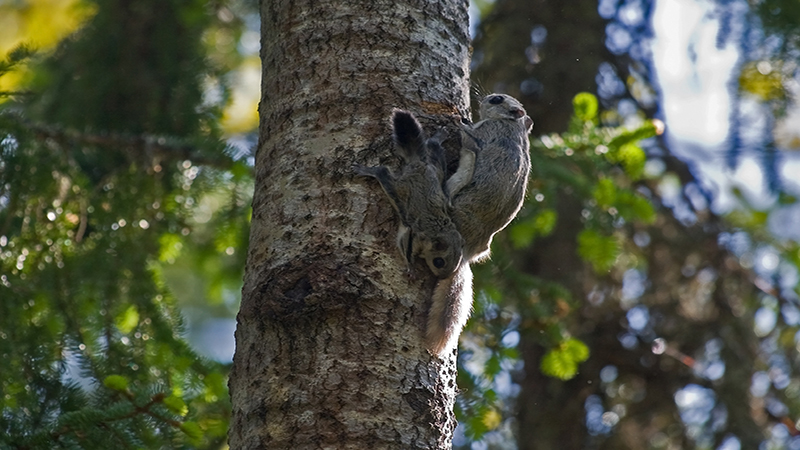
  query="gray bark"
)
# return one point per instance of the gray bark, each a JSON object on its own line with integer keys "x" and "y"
{"x": 329, "y": 343}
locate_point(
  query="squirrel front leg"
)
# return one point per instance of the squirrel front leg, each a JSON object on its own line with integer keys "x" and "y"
{"x": 388, "y": 184}
{"x": 466, "y": 165}
{"x": 405, "y": 236}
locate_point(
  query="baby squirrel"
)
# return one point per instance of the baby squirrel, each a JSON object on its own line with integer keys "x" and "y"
{"x": 417, "y": 194}
{"x": 486, "y": 192}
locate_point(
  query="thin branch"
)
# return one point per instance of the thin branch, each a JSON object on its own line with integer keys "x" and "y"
{"x": 168, "y": 148}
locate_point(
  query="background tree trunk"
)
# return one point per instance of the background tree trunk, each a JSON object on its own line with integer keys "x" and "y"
{"x": 542, "y": 53}
{"x": 553, "y": 414}
{"x": 329, "y": 346}
{"x": 545, "y": 74}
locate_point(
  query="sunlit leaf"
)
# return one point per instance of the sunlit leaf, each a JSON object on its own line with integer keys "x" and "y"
{"x": 562, "y": 361}
{"x": 128, "y": 320}
{"x": 192, "y": 429}
{"x": 601, "y": 251}
{"x": 176, "y": 405}
{"x": 586, "y": 106}
{"x": 763, "y": 80}
{"x": 116, "y": 382}
{"x": 605, "y": 193}
{"x": 646, "y": 130}
{"x": 632, "y": 158}
{"x": 171, "y": 246}
{"x": 492, "y": 419}
{"x": 577, "y": 350}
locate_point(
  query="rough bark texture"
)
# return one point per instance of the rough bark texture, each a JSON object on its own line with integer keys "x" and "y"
{"x": 329, "y": 344}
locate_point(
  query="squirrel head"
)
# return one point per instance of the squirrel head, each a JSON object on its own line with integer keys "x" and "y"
{"x": 442, "y": 252}
{"x": 501, "y": 106}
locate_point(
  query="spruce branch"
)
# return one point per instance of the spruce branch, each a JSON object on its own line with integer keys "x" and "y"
{"x": 105, "y": 423}
{"x": 136, "y": 146}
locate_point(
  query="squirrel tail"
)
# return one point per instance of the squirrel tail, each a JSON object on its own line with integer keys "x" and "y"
{"x": 450, "y": 309}
{"x": 408, "y": 134}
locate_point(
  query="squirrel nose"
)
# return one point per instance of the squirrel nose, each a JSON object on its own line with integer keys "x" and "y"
{"x": 517, "y": 113}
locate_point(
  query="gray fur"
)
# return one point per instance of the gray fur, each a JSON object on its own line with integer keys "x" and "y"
{"x": 426, "y": 230}
{"x": 485, "y": 204}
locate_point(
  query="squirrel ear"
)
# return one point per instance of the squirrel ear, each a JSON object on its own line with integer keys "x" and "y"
{"x": 528, "y": 122}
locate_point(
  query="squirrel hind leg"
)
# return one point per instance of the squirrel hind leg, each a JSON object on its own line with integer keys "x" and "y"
{"x": 466, "y": 166}
{"x": 405, "y": 242}
{"x": 450, "y": 309}
{"x": 436, "y": 153}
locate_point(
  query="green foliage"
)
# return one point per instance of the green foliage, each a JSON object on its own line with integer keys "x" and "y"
{"x": 781, "y": 17}
{"x": 170, "y": 247}
{"x": 767, "y": 86}
{"x": 598, "y": 166}
{"x": 600, "y": 251}
{"x": 631, "y": 157}
{"x": 623, "y": 149}
{"x": 628, "y": 204}
{"x": 625, "y": 137}
{"x": 128, "y": 81}
{"x": 562, "y": 361}
{"x": 697, "y": 281}
{"x": 192, "y": 429}
{"x": 116, "y": 382}
{"x": 523, "y": 232}
{"x": 128, "y": 320}
{"x": 585, "y": 106}
{"x": 176, "y": 405}
{"x": 117, "y": 422}
{"x": 16, "y": 57}
{"x": 103, "y": 175}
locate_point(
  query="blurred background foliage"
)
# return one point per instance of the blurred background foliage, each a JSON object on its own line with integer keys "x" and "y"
{"x": 628, "y": 306}
{"x": 124, "y": 208}
{"x": 673, "y": 260}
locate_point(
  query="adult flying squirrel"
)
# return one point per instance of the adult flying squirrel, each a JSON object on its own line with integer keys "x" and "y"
{"x": 486, "y": 192}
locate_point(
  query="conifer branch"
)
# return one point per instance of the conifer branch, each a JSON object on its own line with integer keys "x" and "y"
{"x": 150, "y": 146}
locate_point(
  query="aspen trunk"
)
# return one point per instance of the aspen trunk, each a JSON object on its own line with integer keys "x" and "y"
{"x": 329, "y": 343}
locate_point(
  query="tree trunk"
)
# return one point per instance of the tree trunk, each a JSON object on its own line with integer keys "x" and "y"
{"x": 329, "y": 343}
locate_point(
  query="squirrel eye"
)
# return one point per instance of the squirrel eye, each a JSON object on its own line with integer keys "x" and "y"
{"x": 438, "y": 263}
{"x": 496, "y": 100}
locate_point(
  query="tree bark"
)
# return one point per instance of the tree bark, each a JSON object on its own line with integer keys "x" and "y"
{"x": 329, "y": 343}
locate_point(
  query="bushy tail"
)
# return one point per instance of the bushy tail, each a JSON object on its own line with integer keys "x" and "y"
{"x": 450, "y": 309}
{"x": 408, "y": 134}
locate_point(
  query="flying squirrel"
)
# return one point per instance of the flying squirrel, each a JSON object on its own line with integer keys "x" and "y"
{"x": 450, "y": 224}
{"x": 492, "y": 178}
{"x": 417, "y": 194}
